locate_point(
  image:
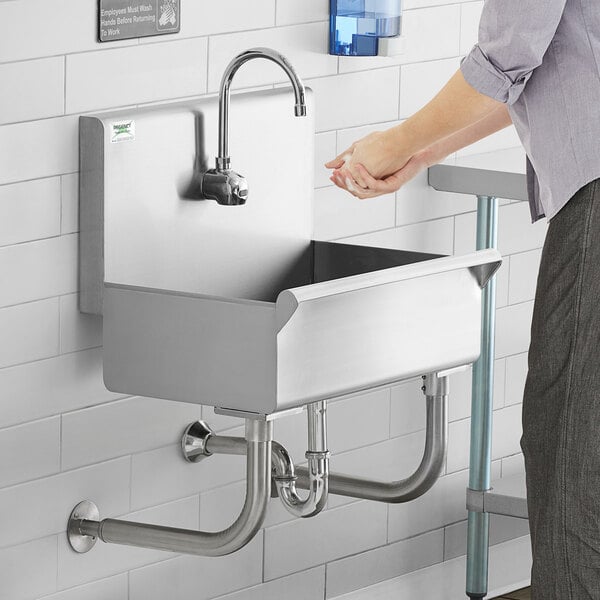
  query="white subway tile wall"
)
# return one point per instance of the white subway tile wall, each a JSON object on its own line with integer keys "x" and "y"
{"x": 65, "y": 438}
{"x": 30, "y": 211}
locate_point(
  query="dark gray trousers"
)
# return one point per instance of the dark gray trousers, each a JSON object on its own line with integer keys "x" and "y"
{"x": 561, "y": 406}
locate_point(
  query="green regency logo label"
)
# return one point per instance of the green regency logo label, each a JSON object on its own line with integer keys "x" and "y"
{"x": 122, "y": 131}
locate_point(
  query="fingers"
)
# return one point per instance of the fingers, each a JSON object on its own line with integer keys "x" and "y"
{"x": 351, "y": 175}
{"x": 372, "y": 187}
{"x": 358, "y": 175}
{"x": 336, "y": 163}
{"x": 344, "y": 181}
{"x": 340, "y": 160}
{"x": 361, "y": 184}
{"x": 349, "y": 171}
{"x": 368, "y": 181}
{"x": 350, "y": 186}
{"x": 347, "y": 178}
{"x": 392, "y": 183}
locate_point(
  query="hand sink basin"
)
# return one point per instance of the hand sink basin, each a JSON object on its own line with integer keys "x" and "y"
{"x": 237, "y": 307}
{"x": 363, "y": 317}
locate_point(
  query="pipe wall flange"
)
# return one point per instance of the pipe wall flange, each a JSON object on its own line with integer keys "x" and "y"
{"x": 84, "y": 511}
{"x": 194, "y": 441}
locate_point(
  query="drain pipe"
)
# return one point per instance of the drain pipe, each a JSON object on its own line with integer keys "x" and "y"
{"x": 436, "y": 391}
{"x": 317, "y": 472}
{"x": 84, "y": 527}
{"x": 199, "y": 441}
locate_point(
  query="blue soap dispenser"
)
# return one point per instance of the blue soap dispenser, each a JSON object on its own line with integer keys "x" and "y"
{"x": 357, "y": 26}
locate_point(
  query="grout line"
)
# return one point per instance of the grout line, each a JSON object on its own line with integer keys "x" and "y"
{"x": 60, "y": 444}
{"x": 208, "y": 54}
{"x": 399, "y": 92}
{"x": 264, "y": 553}
{"x": 57, "y": 562}
{"x": 390, "y": 403}
{"x": 444, "y": 533}
{"x": 26, "y": 303}
{"x": 33, "y": 241}
{"x": 199, "y": 496}
{"x": 61, "y": 186}
{"x": 387, "y": 524}
{"x": 131, "y": 483}
{"x": 61, "y": 473}
{"x": 460, "y": 27}
{"x": 65, "y": 86}
{"x": 508, "y": 274}
{"x": 32, "y": 179}
{"x": 60, "y": 333}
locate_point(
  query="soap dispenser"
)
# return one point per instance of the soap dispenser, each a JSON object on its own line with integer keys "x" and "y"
{"x": 365, "y": 27}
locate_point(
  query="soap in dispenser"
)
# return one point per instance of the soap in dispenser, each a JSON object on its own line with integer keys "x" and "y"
{"x": 357, "y": 26}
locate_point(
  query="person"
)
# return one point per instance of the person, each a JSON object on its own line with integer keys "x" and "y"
{"x": 536, "y": 64}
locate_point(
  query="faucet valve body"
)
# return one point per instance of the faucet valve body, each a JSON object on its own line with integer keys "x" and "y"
{"x": 227, "y": 187}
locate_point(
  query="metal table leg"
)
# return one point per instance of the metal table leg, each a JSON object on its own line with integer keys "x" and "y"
{"x": 482, "y": 409}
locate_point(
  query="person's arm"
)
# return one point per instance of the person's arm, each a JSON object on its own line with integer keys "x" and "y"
{"x": 513, "y": 38}
{"x": 497, "y": 120}
{"x": 456, "y": 106}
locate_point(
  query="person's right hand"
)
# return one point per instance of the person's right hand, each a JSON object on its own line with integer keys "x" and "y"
{"x": 370, "y": 187}
{"x": 380, "y": 152}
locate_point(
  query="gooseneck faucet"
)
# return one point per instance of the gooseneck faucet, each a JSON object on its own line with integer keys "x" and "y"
{"x": 222, "y": 184}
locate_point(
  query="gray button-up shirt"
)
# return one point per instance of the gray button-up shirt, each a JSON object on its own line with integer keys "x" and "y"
{"x": 542, "y": 58}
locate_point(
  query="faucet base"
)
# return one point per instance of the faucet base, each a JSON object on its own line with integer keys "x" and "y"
{"x": 227, "y": 187}
{"x": 84, "y": 511}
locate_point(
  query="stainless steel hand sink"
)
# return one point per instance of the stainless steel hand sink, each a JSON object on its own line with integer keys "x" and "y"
{"x": 236, "y": 306}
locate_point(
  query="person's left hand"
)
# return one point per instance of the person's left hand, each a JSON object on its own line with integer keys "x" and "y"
{"x": 370, "y": 187}
{"x": 382, "y": 153}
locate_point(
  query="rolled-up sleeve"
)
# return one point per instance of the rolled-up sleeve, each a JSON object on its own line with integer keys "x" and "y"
{"x": 514, "y": 35}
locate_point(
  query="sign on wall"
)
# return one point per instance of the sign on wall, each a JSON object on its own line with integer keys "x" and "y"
{"x": 126, "y": 19}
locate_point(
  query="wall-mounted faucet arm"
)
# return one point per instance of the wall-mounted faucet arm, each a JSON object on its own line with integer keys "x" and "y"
{"x": 221, "y": 184}
{"x": 223, "y": 160}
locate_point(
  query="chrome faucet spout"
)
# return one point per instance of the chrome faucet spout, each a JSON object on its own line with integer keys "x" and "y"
{"x": 221, "y": 183}
{"x": 223, "y": 160}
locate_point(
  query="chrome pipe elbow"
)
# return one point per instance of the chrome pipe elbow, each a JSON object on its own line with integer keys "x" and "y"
{"x": 259, "y": 435}
{"x": 427, "y": 473}
{"x": 317, "y": 471}
{"x": 199, "y": 442}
